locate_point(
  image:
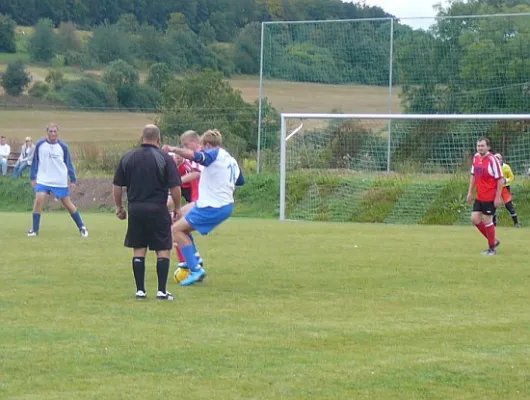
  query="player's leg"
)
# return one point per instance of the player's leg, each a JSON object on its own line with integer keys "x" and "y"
{"x": 203, "y": 220}
{"x": 183, "y": 264}
{"x": 493, "y": 243}
{"x": 40, "y": 197}
{"x": 507, "y": 199}
{"x": 63, "y": 195}
{"x": 136, "y": 240}
{"x": 476, "y": 218}
{"x": 161, "y": 241}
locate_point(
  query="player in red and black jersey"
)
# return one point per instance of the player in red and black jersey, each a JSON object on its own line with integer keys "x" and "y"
{"x": 487, "y": 178}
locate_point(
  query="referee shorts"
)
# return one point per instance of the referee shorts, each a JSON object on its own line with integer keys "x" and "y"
{"x": 149, "y": 227}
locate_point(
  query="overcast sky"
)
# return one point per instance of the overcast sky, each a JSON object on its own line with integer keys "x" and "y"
{"x": 409, "y": 8}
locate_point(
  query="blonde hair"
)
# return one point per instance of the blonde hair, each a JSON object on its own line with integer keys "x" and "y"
{"x": 52, "y": 125}
{"x": 192, "y": 135}
{"x": 212, "y": 137}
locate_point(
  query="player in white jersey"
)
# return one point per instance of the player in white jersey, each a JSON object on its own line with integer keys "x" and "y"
{"x": 220, "y": 176}
{"x": 50, "y": 171}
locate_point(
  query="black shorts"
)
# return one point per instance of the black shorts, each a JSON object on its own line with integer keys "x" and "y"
{"x": 186, "y": 193}
{"x": 485, "y": 207}
{"x": 149, "y": 227}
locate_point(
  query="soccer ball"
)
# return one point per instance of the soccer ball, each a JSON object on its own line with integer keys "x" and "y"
{"x": 180, "y": 274}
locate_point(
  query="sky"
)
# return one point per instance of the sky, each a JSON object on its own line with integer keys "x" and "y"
{"x": 409, "y": 8}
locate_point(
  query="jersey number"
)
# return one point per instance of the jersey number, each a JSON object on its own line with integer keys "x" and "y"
{"x": 232, "y": 168}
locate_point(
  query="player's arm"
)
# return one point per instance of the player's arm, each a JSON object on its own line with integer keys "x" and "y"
{"x": 191, "y": 177}
{"x": 118, "y": 183}
{"x": 174, "y": 183}
{"x": 204, "y": 157}
{"x": 471, "y": 185}
{"x": 240, "y": 179}
{"x": 35, "y": 163}
{"x": 68, "y": 162}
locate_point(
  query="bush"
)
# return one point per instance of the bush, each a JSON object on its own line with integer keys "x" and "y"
{"x": 39, "y": 90}
{"x": 42, "y": 42}
{"x": 139, "y": 97}
{"x": 7, "y": 35}
{"x": 86, "y": 93}
{"x": 120, "y": 74}
{"x": 15, "y": 79}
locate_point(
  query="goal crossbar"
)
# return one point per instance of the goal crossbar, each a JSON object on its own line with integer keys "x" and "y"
{"x": 284, "y": 135}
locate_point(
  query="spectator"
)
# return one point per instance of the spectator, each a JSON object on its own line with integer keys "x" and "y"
{"x": 5, "y": 151}
{"x": 26, "y": 157}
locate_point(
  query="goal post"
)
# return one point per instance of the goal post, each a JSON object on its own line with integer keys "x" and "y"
{"x": 333, "y": 166}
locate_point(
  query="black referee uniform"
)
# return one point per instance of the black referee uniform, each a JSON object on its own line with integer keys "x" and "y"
{"x": 148, "y": 173}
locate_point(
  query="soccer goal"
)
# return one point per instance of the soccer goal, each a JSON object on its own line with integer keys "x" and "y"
{"x": 387, "y": 168}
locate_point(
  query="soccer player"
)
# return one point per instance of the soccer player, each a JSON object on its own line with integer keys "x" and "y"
{"x": 506, "y": 191}
{"x": 189, "y": 173}
{"x": 216, "y": 200}
{"x": 148, "y": 173}
{"x": 190, "y": 140}
{"x": 486, "y": 176}
{"x": 50, "y": 170}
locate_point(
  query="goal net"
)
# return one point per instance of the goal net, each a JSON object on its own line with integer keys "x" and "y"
{"x": 389, "y": 168}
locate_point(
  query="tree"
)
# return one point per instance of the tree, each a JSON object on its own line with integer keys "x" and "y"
{"x": 67, "y": 39}
{"x": 42, "y": 42}
{"x": 128, "y": 23}
{"x": 119, "y": 74}
{"x": 177, "y": 22}
{"x": 206, "y": 33}
{"x": 7, "y": 34}
{"x": 247, "y": 49}
{"x": 205, "y": 100}
{"x": 158, "y": 76}
{"x": 15, "y": 79}
{"x": 108, "y": 43}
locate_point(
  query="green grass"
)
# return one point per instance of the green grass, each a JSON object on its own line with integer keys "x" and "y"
{"x": 290, "y": 311}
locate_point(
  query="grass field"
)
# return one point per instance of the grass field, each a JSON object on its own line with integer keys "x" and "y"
{"x": 290, "y": 311}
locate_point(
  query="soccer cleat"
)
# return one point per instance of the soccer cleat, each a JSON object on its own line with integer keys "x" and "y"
{"x": 140, "y": 294}
{"x": 164, "y": 296}
{"x": 84, "y": 232}
{"x": 32, "y": 233}
{"x": 517, "y": 225}
{"x": 194, "y": 277}
{"x": 489, "y": 252}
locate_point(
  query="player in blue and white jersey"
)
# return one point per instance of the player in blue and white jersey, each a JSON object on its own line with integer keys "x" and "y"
{"x": 50, "y": 171}
{"x": 218, "y": 181}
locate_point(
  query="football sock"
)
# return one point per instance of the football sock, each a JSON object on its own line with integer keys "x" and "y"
{"x": 191, "y": 258}
{"x": 162, "y": 270}
{"x": 36, "y": 222}
{"x": 482, "y": 228}
{"x": 77, "y": 219}
{"x": 490, "y": 234}
{"x": 138, "y": 265}
{"x": 194, "y": 247}
{"x": 513, "y": 214}
{"x": 179, "y": 254}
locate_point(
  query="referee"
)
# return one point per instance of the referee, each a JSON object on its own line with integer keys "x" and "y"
{"x": 148, "y": 174}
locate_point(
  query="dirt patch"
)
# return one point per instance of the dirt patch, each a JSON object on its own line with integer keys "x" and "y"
{"x": 90, "y": 194}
